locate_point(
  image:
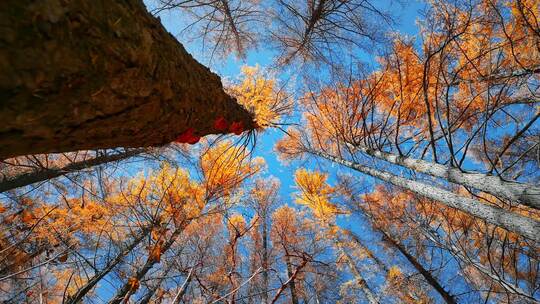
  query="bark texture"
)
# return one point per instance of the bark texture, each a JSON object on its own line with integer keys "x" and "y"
{"x": 83, "y": 74}
{"x": 525, "y": 194}
{"x": 522, "y": 225}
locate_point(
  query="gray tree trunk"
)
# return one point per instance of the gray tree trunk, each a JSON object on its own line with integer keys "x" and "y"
{"x": 525, "y": 194}
{"x": 527, "y": 227}
{"x": 359, "y": 279}
{"x": 26, "y": 179}
{"x": 292, "y": 284}
{"x": 265, "y": 260}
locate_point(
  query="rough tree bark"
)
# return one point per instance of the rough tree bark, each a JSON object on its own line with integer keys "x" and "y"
{"x": 83, "y": 74}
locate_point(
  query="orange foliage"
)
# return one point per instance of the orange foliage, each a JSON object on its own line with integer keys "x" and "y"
{"x": 261, "y": 95}
{"x": 315, "y": 193}
{"x": 226, "y": 166}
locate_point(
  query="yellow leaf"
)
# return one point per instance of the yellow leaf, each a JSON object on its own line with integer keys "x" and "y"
{"x": 315, "y": 193}
{"x": 261, "y": 95}
{"x": 155, "y": 234}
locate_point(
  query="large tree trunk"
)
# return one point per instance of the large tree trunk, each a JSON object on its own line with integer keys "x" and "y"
{"x": 522, "y": 225}
{"x": 81, "y": 74}
{"x": 525, "y": 194}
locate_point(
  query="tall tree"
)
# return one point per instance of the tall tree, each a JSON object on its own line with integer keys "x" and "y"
{"x": 127, "y": 83}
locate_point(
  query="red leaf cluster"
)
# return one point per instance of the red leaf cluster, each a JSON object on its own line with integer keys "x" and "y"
{"x": 188, "y": 137}
{"x": 221, "y": 124}
{"x": 237, "y": 127}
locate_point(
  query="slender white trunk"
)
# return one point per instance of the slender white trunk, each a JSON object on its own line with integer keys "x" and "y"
{"x": 183, "y": 288}
{"x": 360, "y": 244}
{"x": 359, "y": 279}
{"x": 525, "y": 194}
{"x": 519, "y": 224}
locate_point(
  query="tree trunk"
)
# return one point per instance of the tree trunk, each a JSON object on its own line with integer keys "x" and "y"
{"x": 447, "y": 297}
{"x": 265, "y": 260}
{"x": 178, "y": 298}
{"x": 527, "y": 227}
{"x": 525, "y": 194}
{"x": 81, "y": 75}
{"x": 292, "y": 285}
{"x": 26, "y": 179}
{"x": 367, "y": 251}
{"x": 81, "y": 293}
{"x": 359, "y": 279}
{"x": 487, "y": 271}
{"x": 152, "y": 290}
{"x": 125, "y": 291}
{"x": 291, "y": 279}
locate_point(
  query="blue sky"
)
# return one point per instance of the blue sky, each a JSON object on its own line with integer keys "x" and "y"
{"x": 230, "y": 68}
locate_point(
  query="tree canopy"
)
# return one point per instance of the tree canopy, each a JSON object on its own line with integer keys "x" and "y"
{"x": 343, "y": 155}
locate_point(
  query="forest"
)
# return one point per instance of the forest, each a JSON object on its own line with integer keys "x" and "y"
{"x": 270, "y": 151}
